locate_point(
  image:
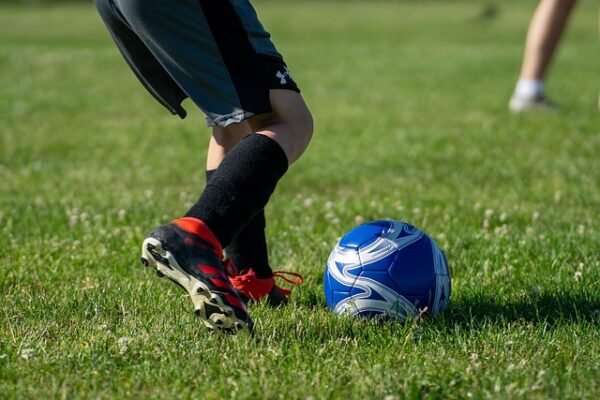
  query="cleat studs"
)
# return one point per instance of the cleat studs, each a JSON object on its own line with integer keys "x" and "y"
{"x": 159, "y": 274}
{"x": 144, "y": 261}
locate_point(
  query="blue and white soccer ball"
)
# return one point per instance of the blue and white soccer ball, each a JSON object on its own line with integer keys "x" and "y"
{"x": 386, "y": 268}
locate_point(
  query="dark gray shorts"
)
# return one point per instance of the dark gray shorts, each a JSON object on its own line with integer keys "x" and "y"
{"x": 215, "y": 52}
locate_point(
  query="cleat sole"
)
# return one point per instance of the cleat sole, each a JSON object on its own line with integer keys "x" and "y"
{"x": 208, "y": 306}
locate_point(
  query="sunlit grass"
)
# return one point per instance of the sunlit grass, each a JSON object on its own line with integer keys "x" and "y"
{"x": 410, "y": 103}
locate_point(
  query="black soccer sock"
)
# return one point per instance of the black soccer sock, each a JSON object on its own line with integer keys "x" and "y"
{"x": 248, "y": 249}
{"x": 241, "y": 186}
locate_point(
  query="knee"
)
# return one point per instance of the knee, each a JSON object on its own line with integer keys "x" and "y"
{"x": 290, "y": 123}
{"x": 303, "y": 125}
{"x": 297, "y": 118}
{"x": 294, "y": 131}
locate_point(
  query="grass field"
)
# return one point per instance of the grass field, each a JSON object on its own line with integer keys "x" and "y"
{"x": 410, "y": 102}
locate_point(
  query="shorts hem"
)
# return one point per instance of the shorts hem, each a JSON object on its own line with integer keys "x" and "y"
{"x": 229, "y": 119}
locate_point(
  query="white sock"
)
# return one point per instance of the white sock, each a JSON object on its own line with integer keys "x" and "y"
{"x": 529, "y": 88}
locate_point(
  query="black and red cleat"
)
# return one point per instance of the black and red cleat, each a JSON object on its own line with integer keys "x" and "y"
{"x": 188, "y": 253}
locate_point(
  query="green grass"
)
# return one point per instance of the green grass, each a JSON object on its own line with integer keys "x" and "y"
{"x": 410, "y": 102}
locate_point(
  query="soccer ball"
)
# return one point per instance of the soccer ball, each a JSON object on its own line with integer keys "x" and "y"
{"x": 384, "y": 269}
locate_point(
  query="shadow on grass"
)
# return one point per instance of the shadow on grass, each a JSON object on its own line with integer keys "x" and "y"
{"x": 549, "y": 307}
{"x": 469, "y": 311}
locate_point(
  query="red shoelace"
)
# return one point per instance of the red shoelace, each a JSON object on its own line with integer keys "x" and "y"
{"x": 256, "y": 288}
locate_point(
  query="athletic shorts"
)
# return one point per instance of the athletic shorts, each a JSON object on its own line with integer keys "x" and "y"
{"x": 215, "y": 52}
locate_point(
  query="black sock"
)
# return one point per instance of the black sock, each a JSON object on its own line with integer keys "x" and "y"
{"x": 248, "y": 249}
{"x": 241, "y": 186}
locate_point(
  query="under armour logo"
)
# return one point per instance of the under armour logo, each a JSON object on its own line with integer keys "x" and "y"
{"x": 282, "y": 76}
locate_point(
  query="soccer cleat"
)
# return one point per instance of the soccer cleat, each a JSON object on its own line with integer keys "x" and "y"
{"x": 255, "y": 289}
{"x": 188, "y": 253}
{"x": 522, "y": 104}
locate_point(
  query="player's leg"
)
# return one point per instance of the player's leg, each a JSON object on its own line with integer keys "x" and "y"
{"x": 545, "y": 30}
{"x": 290, "y": 124}
{"x": 248, "y": 249}
{"x": 219, "y": 55}
{"x": 249, "y": 172}
{"x": 247, "y": 253}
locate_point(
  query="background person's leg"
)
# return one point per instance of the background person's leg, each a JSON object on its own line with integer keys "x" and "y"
{"x": 545, "y": 30}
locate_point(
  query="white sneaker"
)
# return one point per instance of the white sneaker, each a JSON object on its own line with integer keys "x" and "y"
{"x": 523, "y": 104}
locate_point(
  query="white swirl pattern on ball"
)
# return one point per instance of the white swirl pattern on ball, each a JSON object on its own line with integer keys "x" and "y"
{"x": 393, "y": 304}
